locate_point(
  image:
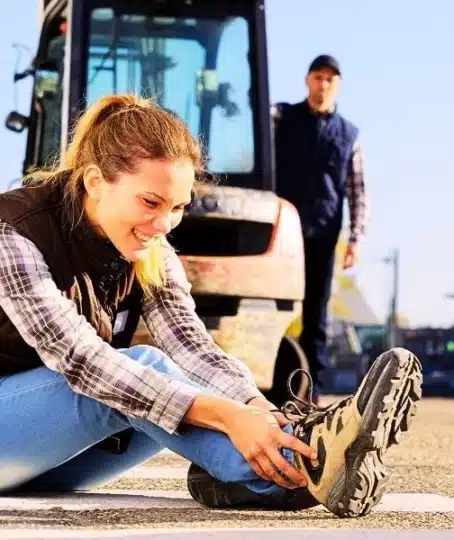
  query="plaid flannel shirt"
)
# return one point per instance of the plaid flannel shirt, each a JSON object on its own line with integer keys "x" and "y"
{"x": 68, "y": 344}
{"x": 356, "y": 194}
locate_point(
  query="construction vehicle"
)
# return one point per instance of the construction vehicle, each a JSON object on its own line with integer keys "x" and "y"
{"x": 240, "y": 244}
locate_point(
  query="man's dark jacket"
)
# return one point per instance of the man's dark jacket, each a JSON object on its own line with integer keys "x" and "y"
{"x": 313, "y": 154}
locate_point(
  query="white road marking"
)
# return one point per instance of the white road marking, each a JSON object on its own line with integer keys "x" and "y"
{"x": 122, "y": 499}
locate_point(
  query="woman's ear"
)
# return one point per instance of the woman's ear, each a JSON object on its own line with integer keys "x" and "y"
{"x": 92, "y": 182}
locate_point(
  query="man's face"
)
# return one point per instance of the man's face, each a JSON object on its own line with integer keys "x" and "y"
{"x": 323, "y": 86}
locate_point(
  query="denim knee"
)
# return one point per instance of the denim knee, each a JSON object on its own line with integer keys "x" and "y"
{"x": 154, "y": 357}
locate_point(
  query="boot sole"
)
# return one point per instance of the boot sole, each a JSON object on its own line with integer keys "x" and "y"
{"x": 361, "y": 482}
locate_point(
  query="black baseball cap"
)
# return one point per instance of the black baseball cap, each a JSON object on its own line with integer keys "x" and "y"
{"x": 325, "y": 61}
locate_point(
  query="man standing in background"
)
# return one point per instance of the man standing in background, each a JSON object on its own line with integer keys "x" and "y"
{"x": 319, "y": 163}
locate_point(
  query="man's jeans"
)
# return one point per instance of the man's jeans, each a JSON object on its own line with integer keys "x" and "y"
{"x": 48, "y": 433}
{"x": 319, "y": 258}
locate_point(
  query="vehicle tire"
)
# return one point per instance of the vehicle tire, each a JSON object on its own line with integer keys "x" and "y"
{"x": 290, "y": 356}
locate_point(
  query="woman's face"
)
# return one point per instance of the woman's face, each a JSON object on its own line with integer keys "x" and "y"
{"x": 138, "y": 207}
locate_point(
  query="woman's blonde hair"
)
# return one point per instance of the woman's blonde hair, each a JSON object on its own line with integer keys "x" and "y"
{"x": 115, "y": 133}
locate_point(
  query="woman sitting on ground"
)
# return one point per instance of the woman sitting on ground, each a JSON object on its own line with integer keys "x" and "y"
{"x": 83, "y": 254}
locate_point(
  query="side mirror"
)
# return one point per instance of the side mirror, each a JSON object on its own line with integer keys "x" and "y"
{"x": 16, "y": 122}
{"x": 23, "y": 74}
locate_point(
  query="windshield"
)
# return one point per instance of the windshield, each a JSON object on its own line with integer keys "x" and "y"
{"x": 197, "y": 68}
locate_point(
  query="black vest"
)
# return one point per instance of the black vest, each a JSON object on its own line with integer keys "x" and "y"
{"x": 313, "y": 152}
{"x": 86, "y": 268}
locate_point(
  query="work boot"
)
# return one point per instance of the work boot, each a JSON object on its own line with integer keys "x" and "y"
{"x": 350, "y": 437}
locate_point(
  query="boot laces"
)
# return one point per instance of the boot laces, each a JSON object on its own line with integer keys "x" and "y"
{"x": 306, "y": 413}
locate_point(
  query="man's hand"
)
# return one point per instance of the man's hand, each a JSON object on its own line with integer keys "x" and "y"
{"x": 351, "y": 256}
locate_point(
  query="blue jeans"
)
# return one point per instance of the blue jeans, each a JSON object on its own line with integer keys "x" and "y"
{"x": 48, "y": 433}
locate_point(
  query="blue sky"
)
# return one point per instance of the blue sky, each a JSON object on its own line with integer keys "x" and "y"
{"x": 397, "y": 60}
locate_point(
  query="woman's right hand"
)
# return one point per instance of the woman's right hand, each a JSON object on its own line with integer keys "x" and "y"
{"x": 257, "y": 435}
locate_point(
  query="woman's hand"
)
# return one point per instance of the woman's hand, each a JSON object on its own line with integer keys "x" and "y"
{"x": 255, "y": 432}
{"x": 257, "y": 435}
{"x": 263, "y": 403}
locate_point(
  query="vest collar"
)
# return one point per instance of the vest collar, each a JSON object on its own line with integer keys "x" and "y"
{"x": 312, "y": 112}
{"x": 103, "y": 257}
